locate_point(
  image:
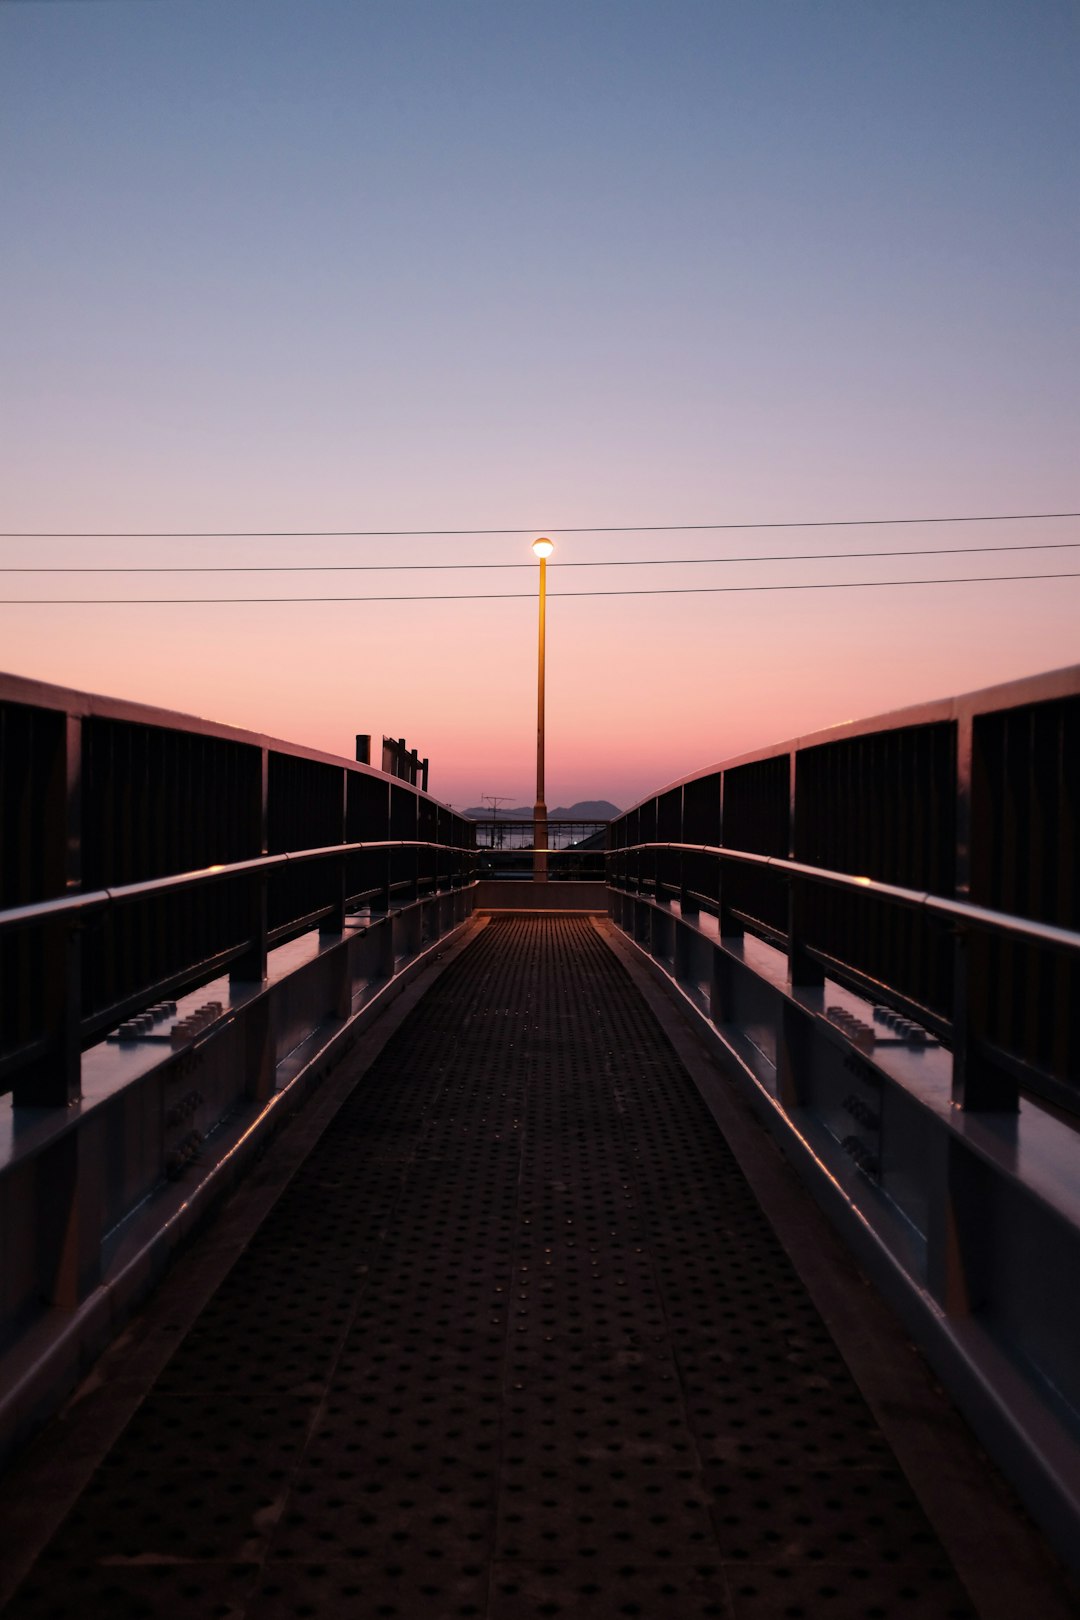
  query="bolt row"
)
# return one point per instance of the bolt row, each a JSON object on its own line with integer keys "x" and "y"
{"x": 188, "y": 1027}
{"x": 862, "y": 1111}
{"x": 183, "y": 1153}
{"x": 906, "y": 1028}
{"x": 184, "y": 1108}
{"x": 857, "y": 1149}
{"x": 862, "y": 1034}
{"x": 143, "y": 1023}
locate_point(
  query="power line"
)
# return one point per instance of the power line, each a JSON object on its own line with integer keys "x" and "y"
{"x": 612, "y": 562}
{"x": 438, "y": 534}
{"x": 516, "y": 596}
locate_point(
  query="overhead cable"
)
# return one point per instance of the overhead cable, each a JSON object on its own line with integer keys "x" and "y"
{"x": 611, "y": 562}
{"x": 519, "y": 596}
{"x": 555, "y": 528}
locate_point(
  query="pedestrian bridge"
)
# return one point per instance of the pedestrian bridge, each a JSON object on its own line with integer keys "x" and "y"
{"x": 385, "y": 1242}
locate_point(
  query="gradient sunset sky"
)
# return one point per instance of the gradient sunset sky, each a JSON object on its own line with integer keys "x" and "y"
{"x": 337, "y": 264}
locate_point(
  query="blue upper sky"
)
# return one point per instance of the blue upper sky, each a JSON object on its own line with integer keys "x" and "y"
{"x": 834, "y": 233}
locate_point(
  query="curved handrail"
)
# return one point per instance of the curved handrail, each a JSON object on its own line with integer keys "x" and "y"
{"x": 960, "y": 911}
{"x": 97, "y": 899}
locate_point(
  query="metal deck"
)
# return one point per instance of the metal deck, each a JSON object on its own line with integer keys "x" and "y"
{"x": 515, "y": 1340}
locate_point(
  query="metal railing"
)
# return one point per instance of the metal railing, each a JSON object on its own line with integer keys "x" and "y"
{"x": 505, "y": 847}
{"x": 82, "y": 905}
{"x": 563, "y": 865}
{"x": 879, "y": 927}
{"x": 143, "y": 853}
{"x": 962, "y": 915}
{"x": 927, "y": 858}
{"x": 507, "y": 832}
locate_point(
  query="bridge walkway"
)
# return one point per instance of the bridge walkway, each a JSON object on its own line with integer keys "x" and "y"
{"x": 516, "y": 1339}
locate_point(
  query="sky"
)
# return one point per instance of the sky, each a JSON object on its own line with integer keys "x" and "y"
{"x": 325, "y": 265}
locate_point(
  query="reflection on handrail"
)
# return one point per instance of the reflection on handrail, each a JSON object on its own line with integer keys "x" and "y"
{"x": 97, "y": 899}
{"x": 960, "y": 911}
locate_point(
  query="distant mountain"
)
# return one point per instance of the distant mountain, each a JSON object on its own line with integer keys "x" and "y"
{"x": 587, "y": 810}
{"x": 584, "y": 810}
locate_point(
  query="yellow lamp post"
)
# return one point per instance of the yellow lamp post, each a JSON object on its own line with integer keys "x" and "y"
{"x": 542, "y": 549}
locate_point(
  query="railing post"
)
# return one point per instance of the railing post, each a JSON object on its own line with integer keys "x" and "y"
{"x": 260, "y": 1056}
{"x": 334, "y": 921}
{"x": 388, "y": 946}
{"x": 805, "y": 972}
{"x": 720, "y": 987}
{"x": 790, "y": 1055}
{"x": 955, "y": 1230}
{"x": 68, "y": 1210}
{"x": 730, "y": 926}
{"x": 688, "y": 907}
{"x": 251, "y": 966}
{"x": 683, "y": 946}
{"x": 978, "y": 1084}
{"x": 59, "y": 1081}
{"x": 415, "y": 861}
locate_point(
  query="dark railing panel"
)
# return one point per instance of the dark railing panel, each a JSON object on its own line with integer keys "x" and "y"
{"x": 1025, "y": 795}
{"x": 456, "y": 842}
{"x": 668, "y": 830}
{"x": 883, "y": 806}
{"x": 367, "y": 816}
{"x": 625, "y": 834}
{"x": 701, "y": 825}
{"x": 156, "y": 801}
{"x": 403, "y": 824}
{"x": 32, "y": 792}
{"x": 305, "y": 807}
{"x": 102, "y": 798}
{"x": 159, "y": 800}
{"x": 305, "y": 810}
{"x": 154, "y": 945}
{"x": 647, "y": 835}
{"x": 757, "y": 817}
{"x": 701, "y": 810}
{"x": 31, "y": 772}
{"x": 428, "y": 859}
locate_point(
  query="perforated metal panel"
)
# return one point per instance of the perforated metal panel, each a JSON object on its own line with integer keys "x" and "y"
{"x": 517, "y": 1341}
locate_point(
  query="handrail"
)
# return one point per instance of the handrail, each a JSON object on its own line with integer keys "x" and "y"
{"x": 97, "y": 899}
{"x": 533, "y": 849}
{"x": 1048, "y": 934}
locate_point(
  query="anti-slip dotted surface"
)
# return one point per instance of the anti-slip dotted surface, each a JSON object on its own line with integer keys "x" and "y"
{"x": 516, "y": 1341}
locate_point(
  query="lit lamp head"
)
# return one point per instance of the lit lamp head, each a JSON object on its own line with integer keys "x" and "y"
{"x": 543, "y": 548}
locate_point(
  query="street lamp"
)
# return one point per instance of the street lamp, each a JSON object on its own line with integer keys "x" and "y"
{"x": 542, "y": 548}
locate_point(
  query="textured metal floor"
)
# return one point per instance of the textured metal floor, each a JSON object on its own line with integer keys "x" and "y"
{"x": 516, "y": 1341}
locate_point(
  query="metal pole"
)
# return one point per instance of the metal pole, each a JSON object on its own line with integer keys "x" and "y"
{"x": 540, "y": 862}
